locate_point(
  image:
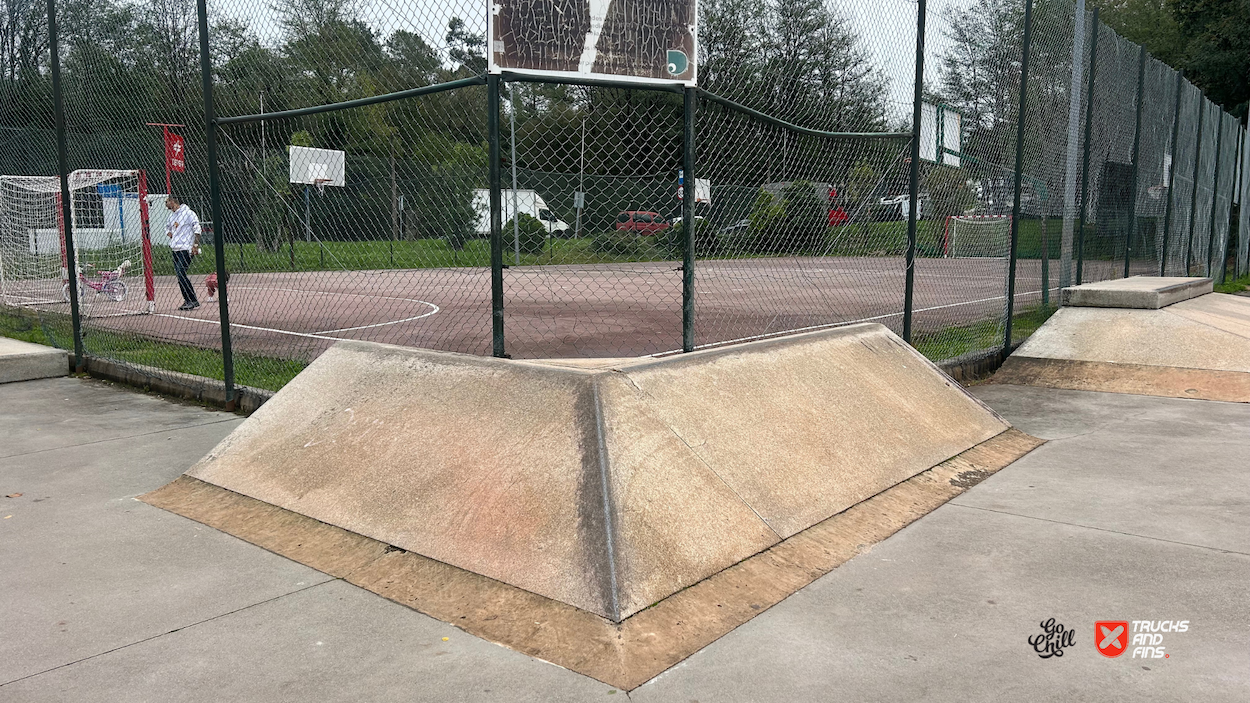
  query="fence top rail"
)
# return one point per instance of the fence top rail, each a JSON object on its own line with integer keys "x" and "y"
{"x": 359, "y": 102}
{"x": 764, "y": 117}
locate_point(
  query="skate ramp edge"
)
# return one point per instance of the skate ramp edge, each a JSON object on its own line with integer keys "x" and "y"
{"x": 596, "y": 493}
{"x": 1196, "y": 348}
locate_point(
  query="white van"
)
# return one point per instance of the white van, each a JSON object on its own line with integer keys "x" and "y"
{"x": 527, "y": 201}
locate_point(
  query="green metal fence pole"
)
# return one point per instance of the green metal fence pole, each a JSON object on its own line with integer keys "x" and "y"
{"x": 1089, "y": 128}
{"x": 214, "y": 199}
{"x": 1045, "y": 260}
{"x": 688, "y": 194}
{"x": 496, "y": 217}
{"x": 913, "y": 192}
{"x": 1193, "y": 198}
{"x": 1167, "y": 211}
{"x": 1132, "y": 197}
{"x": 1215, "y": 193}
{"x": 1021, "y": 119}
{"x": 1237, "y": 176}
{"x": 62, "y": 165}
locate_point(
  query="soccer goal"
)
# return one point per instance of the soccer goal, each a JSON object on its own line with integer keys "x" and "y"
{"x": 976, "y": 236}
{"x": 112, "y": 245}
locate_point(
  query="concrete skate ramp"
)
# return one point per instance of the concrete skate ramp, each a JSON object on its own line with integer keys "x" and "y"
{"x": 606, "y": 486}
{"x": 1196, "y": 348}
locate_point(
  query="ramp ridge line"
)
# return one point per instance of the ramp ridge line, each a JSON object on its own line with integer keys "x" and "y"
{"x": 607, "y": 498}
{"x": 700, "y": 457}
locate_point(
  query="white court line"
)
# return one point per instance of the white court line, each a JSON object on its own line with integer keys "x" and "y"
{"x": 326, "y": 292}
{"x": 767, "y": 335}
{"x": 383, "y": 324}
{"x": 321, "y": 334}
{"x": 311, "y": 335}
{"x": 252, "y": 327}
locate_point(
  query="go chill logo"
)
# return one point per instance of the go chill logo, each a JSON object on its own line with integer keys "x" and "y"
{"x": 1144, "y": 638}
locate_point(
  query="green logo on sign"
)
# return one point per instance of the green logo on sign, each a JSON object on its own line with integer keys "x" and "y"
{"x": 677, "y": 62}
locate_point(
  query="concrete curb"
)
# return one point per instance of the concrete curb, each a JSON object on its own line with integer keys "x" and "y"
{"x": 173, "y": 383}
{"x": 977, "y": 366}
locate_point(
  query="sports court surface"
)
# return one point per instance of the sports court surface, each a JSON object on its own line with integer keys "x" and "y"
{"x": 602, "y": 310}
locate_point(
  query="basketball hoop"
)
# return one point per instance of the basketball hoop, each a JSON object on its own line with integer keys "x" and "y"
{"x": 321, "y": 184}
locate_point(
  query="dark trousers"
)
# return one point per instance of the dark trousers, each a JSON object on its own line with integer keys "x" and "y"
{"x": 182, "y": 262}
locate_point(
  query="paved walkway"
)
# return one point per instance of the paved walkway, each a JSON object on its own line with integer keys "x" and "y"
{"x": 1138, "y": 509}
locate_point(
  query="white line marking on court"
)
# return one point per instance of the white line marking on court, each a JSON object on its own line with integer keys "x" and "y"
{"x": 316, "y": 335}
{"x": 843, "y": 324}
{"x": 253, "y": 327}
{"x": 383, "y": 324}
{"x": 329, "y": 292}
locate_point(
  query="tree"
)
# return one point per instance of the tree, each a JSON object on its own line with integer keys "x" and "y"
{"x": 1149, "y": 23}
{"x": 466, "y": 49}
{"x": 1217, "y": 49}
{"x": 1208, "y": 39}
{"x": 818, "y": 72}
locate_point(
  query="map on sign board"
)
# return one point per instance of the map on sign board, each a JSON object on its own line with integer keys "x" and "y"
{"x": 629, "y": 40}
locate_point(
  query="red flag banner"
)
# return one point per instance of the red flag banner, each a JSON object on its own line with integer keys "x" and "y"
{"x": 175, "y": 153}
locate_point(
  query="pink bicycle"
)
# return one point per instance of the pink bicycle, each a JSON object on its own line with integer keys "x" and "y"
{"x": 106, "y": 283}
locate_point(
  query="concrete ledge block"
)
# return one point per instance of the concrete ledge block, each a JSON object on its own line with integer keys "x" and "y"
{"x": 1196, "y": 348}
{"x": 1138, "y": 292}
{"x": 23, "y": 361}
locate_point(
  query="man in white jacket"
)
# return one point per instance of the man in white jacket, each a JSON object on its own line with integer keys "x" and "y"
{"x": 184, "y": 239}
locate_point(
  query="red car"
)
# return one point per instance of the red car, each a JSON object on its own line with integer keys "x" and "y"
{"x": 641, "y": 221}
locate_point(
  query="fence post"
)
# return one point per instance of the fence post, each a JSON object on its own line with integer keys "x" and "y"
{"x": 1132, "y": 212}
{"x": 913, "y": 193}
{"x": 1193, "y": 198}
{"x": 66, "y": 214}
{"x": 214, "y": 200}
{"x": 1167, "y": 210}
{"x": 1215, "y": 192}
{"x": 1089, "y": 127}
{"x": 1238, "y": 176}
{"x": 1021, "y": 118}
{"x": 688, "y": 194}
{"x": 1045, "y": 260}
{"x": 1066, "y": 237}
{"x": 496, "y": 223}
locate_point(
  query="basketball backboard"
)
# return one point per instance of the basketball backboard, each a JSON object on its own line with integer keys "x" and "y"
{"x": 941, "y": 132}
{"x": 323, "y": 167}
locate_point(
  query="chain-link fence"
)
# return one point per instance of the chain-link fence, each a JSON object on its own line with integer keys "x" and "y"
{"x": 818, "y": 200}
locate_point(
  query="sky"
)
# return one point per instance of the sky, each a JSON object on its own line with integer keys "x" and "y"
{"x": 886, "y": 28}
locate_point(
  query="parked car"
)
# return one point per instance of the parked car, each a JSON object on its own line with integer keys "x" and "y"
{"x": 739, "y": 226}
{"x": 642, "y": 222}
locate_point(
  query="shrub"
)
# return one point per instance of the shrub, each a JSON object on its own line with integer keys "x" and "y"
{"x": 533, "y": 234}
{"x": 623, "y": 244}
{"x": 673, "y": 239}
{"x": 795, "y": 221}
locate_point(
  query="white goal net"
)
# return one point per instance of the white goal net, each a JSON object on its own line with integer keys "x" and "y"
{"x": 111, "y": 235}
{"x": 977, "y": 236}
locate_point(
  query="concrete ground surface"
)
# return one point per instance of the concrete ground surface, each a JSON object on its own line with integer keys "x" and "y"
{"x": 1137, "y": 509}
